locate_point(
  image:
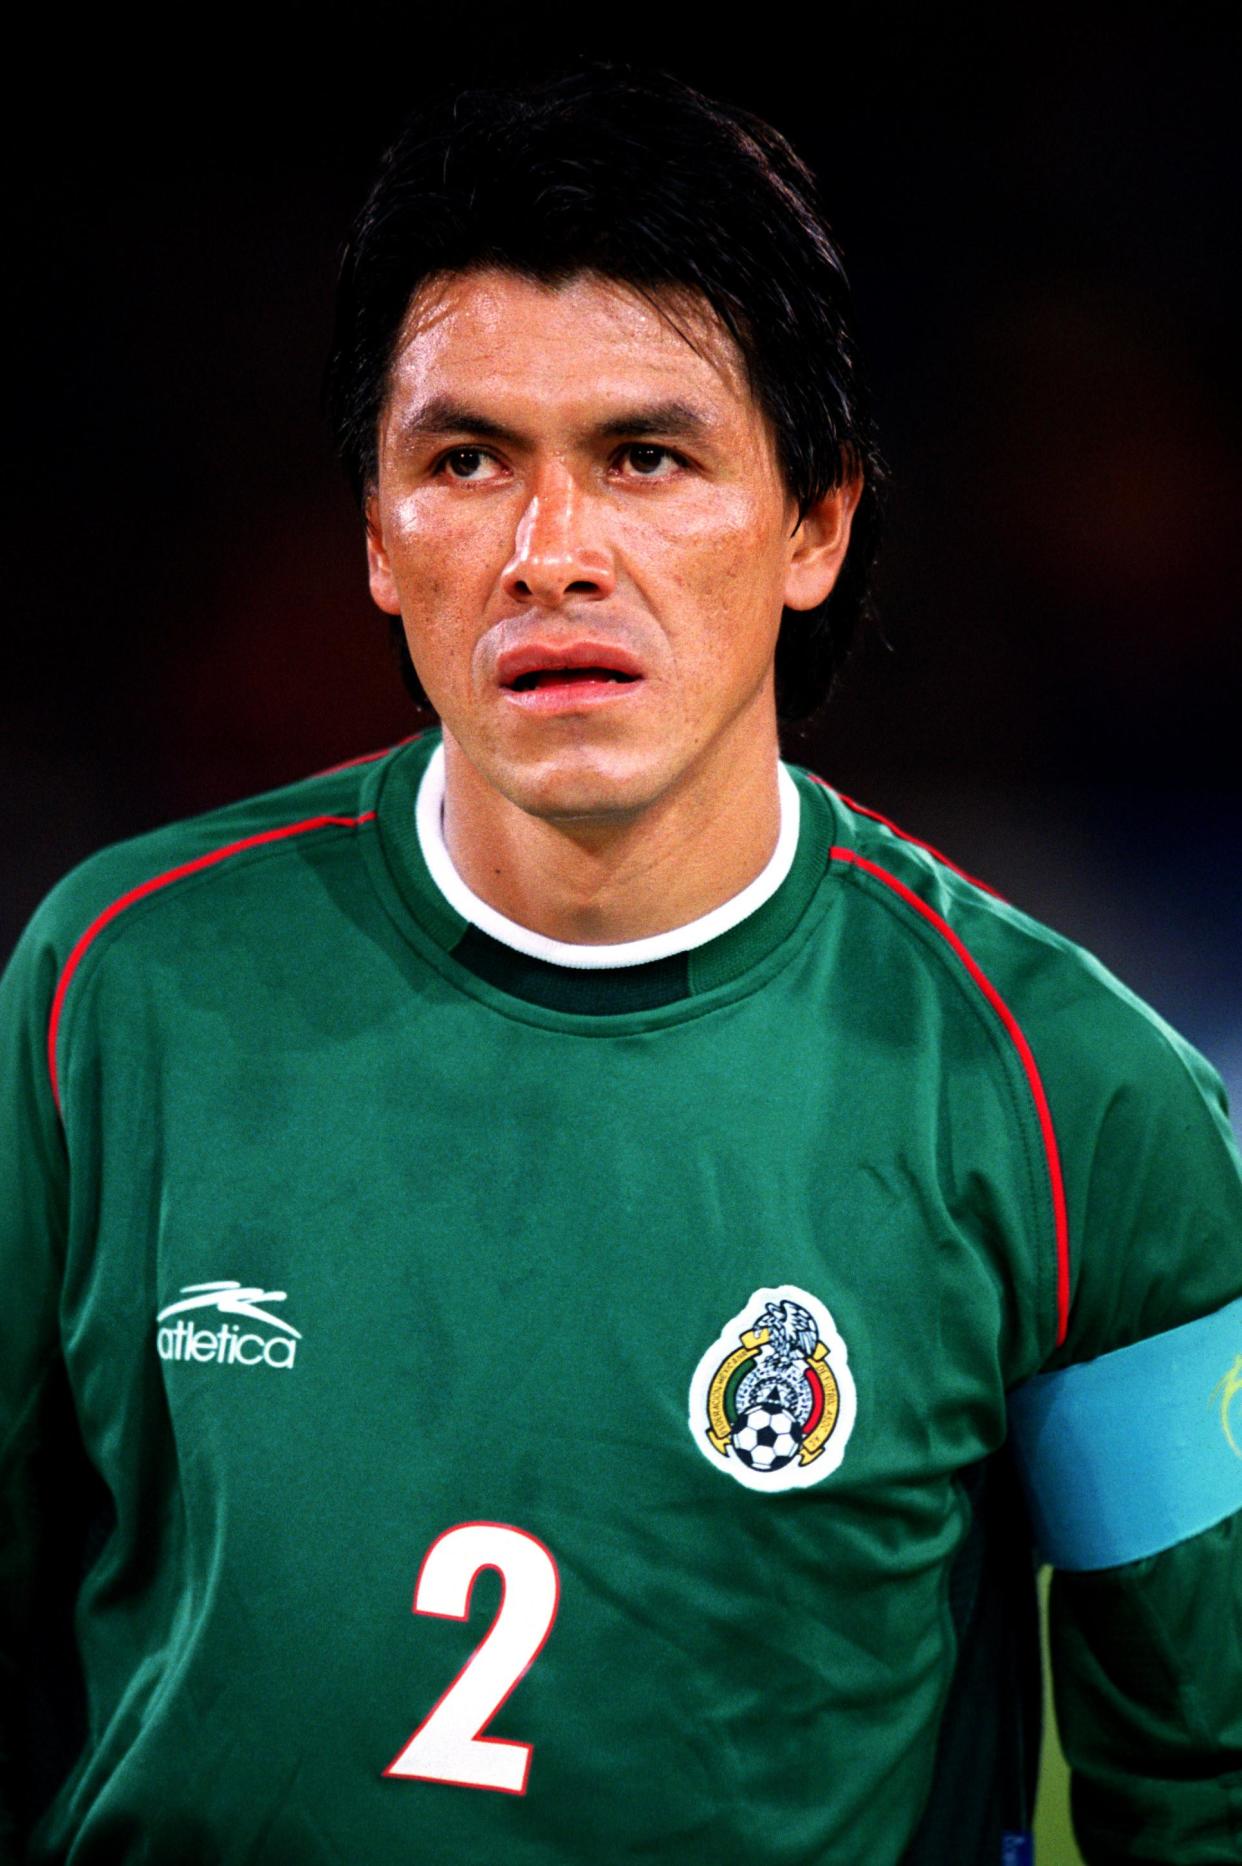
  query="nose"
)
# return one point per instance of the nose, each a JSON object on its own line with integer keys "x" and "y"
{"x": 554, "y": 553}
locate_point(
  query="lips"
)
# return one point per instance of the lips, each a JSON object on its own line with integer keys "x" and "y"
{"x": 582, "y": 671}
{"x": 540, "y": 663}
{"x": 563, "y": 676}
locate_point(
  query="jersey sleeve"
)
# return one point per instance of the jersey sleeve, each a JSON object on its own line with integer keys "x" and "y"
{"x": 1147, "y": 1675}
{"x": 33, "y": 1221}
{"x": 1147, "y": 1653}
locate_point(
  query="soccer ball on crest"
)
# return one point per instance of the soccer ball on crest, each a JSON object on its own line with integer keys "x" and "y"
{"x": 767, "y": 1439}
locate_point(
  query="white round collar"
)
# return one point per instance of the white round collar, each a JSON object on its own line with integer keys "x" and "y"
{"x": 429, "y": 822}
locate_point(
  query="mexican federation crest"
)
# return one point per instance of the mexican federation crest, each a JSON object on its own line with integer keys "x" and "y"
{"x": 772, "y": 1402}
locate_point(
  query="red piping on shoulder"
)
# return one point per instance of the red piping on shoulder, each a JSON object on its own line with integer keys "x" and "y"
{"x": 209, "y": 860}
{"x": 860, "y": 809}
{"x": 1012, "y": 1026}
{"x": 368, "y": 758}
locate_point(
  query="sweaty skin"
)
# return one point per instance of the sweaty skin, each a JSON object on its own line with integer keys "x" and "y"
{"x": 564, "y": 473}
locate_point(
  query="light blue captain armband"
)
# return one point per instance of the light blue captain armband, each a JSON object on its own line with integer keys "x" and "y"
{"x": 1131, "y": 1453}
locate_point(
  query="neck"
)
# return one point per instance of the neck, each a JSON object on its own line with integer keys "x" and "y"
{"x": 603, "y": 883}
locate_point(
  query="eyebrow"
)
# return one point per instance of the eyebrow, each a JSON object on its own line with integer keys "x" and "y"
{"x": 443, "y": 415}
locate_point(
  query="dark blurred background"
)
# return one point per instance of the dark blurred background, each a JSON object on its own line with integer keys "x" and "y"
{"x": 1038, "y": 217}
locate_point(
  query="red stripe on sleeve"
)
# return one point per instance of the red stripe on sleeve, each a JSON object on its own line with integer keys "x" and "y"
{"x": 1012, "y": 1026}
{"x": 209, "y": 860}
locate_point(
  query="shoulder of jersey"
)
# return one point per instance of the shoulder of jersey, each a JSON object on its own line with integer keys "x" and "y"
{"x": 1054, "y": 987}
{"x": 123, "y": 873}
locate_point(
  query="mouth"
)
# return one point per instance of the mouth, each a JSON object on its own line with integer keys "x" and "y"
{"x": 542, "y": 677}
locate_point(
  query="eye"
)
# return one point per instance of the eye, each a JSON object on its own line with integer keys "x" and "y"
{"x": 646, "y": 456}
{"x": 465, "y": 462}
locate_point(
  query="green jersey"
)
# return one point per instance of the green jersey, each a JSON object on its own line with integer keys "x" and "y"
{"x": 503, "y": 1413}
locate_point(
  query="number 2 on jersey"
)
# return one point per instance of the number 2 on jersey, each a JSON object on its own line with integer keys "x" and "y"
{"x": 448, "y": 1745}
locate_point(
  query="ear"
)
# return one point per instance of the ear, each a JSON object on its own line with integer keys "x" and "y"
{"x": 379, "y": 570}
{"x": 818, "y": 546}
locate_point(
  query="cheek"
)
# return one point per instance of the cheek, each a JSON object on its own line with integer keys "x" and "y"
{"x": 443, "y": 570}
{"x": 432, "y": 553}
{"x": 725, "y": 579}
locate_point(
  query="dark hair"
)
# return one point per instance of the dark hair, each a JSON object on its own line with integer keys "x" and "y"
{"x": 634, "y": 176}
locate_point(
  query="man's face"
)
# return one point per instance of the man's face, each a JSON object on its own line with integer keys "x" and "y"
{"x": 580, "y": 519}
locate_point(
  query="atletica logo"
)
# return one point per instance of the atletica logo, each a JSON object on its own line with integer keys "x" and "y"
{"x": 182, "y": 1341}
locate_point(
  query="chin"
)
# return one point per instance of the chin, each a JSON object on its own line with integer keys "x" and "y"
{"x": 568, "y": 789}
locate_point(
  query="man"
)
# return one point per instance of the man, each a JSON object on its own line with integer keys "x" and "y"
{"x": 577, "y": 1148}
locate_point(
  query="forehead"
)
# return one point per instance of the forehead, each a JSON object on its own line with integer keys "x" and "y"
{"x": 586, "y": 339}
